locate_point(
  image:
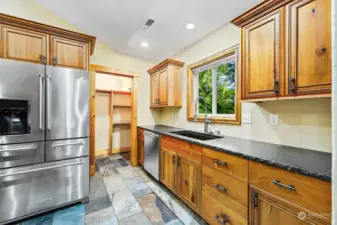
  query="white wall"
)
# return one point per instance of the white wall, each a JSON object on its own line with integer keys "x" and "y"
{"x": 103, "y": 55}
{"x": 303, "y": 123}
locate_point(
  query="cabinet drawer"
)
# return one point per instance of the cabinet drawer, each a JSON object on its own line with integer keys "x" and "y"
{"x": 216, "y": 213}
{"x": 305, "y": 191}
{"x": 185, "y": 149}
{"x": 228, "y": 164}
{"x": 230, "y": 191}
{"x": 140, "y": 133}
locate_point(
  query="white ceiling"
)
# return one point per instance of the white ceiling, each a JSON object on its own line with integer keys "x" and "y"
{"x": 119, "y": 23}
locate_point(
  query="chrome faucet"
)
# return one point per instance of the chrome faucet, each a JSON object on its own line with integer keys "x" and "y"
{"x": 207, "y": 121}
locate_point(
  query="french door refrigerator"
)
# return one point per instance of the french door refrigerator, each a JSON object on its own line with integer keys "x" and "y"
{"x": 44, "y": 138}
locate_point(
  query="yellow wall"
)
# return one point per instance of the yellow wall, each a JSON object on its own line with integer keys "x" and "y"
{"x": 103, "y": 55}
{"x": 303, "y": 123}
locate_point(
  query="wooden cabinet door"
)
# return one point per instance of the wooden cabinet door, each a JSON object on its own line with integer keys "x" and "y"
{"x": 189, "y": 182}
{"x": 308, "y": 51}
{"x": 24, "y": 45}
{"x": 69, "y": 53}
{"x": 262, "y": 57}
{"x": 266, "y": 209}
{"x": 163, "y": 86}
{"x": 140, "y": 151}
{"x": 154, "y": 89}
{"x": 168, "y": 168}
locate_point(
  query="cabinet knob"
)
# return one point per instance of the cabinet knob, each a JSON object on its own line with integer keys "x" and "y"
{"x": 313, "y": 10}
{"x": 324, "y": 49}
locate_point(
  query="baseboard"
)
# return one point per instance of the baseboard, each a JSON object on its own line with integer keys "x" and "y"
{"x": 102, "y": 152}
{"x": 121, "y": 150}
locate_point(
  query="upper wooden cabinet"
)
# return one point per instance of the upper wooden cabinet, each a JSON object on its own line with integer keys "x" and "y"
{"x": 24, "y": 45}
{"x": 29, "y": 41}
{"x": 166, "y": 88}
{"x": 69, "y": 53}
{"x": 281, "y": 56}
{"x": 262, "y": 57}
{"x": 154, "y": 89}
{"x": 308, "y": 61}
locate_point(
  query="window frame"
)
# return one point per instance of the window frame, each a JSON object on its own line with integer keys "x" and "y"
{"x": 224, "y": 119}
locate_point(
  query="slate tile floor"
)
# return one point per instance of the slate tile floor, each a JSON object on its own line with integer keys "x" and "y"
{"x": 122, "y": 195}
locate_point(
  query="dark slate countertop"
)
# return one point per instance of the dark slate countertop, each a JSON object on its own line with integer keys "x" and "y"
{"x": 303, "y": 161}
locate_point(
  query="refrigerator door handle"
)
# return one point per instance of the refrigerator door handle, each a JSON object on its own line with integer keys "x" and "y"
{"x": 48, "y": 103}
{"x": 67, "y": 144}
{"x": 22, "y": 148}
{"x": 41, "y": 103}
{"x": 78, "y": 162}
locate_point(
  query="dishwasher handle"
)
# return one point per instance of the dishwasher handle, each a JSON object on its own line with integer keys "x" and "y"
{"x": 147, "y": 133}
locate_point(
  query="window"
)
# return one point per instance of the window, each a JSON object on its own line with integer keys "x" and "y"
{"x": 216, "y": 80}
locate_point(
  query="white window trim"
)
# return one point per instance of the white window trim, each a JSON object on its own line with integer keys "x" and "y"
{"x": 196, "y": 72}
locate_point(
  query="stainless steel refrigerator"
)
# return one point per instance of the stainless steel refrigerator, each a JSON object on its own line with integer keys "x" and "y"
{"x": 44, "y": 138}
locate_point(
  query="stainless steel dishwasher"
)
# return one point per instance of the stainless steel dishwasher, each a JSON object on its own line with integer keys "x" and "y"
{"x": 151, "y": 153}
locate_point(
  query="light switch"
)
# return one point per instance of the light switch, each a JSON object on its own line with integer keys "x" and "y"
{"x": 274, "y": 120}
{"x": 246, "y": 118}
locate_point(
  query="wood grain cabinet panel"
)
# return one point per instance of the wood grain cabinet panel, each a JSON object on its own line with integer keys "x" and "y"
{"x": 308, "y": 50}
{"x": 189, "y": 182}
{"x": 228, "y": 190}
{"x": 262, "y": 57}
{"x": 24, "y": 45}
{"x": 266, "y": 209}
{"x": 215, "y": 213}
{"x": 311, "y": 193}
{"x": 226, "y": 163}
{"x": 163, "y": 86}
{"x": 69, "y": 53}
{"x": 168, "y": 168}
{"x": 165, "y": 80}
{"x": 185, "y": 149}
{"x": 154, "y": 89}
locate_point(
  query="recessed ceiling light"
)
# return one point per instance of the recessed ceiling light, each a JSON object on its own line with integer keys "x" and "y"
{"x": 144, "y": 44}
{"x": 190, "y": 26}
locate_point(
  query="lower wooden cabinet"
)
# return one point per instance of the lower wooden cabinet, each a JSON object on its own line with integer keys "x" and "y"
{"x": 140, "y": 151}
{"x": 168, "y": 168}
{"x": 189, "y": 182}
{"x": 267, "y": 209}
{"x": 181, "y": 176}
{"x": 215, "y": 213}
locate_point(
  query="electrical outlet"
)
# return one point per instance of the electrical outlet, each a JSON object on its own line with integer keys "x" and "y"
{"x": 247, "y": 118}
{"x": 274, "y": 120}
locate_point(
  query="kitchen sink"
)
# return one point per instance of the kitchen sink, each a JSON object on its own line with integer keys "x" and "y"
{"x": 196, "y": 135}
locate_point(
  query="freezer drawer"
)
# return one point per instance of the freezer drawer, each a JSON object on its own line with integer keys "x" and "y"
{"x": 67, "y": 149}
{"x": 31, "y": 189}
{"x": 21, "y": 154}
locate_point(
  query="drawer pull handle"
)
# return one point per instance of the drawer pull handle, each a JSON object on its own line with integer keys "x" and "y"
{"x": 290, "y": 187}
{"x": 222, "y": 221}
{"x": 223, "y": 189}
{"x": 220, "y": 162}
{"x": 37, "y": 169}
{"x": 67, "y": 144}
